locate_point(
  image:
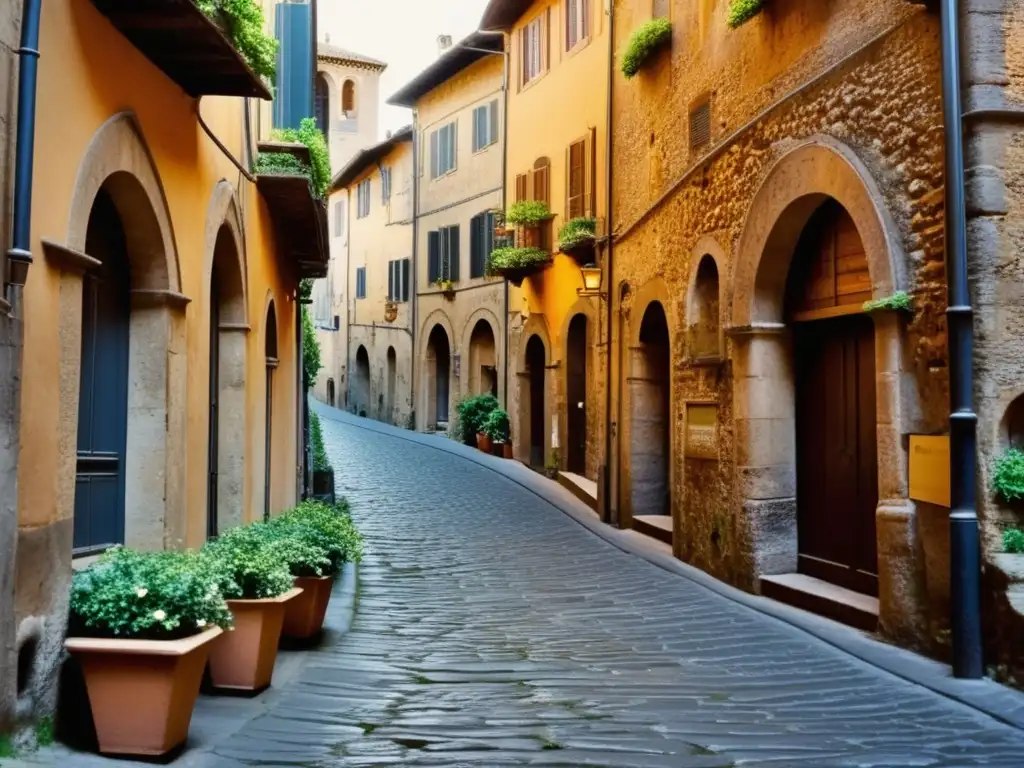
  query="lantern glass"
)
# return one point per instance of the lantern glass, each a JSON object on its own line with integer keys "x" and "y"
{"x": 591, "y": 278}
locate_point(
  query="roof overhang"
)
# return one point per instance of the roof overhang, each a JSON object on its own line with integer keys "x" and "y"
{"x": 325, "y": 52}
{"x": 501, "y": 15}
{"x": 468, "y": 51}
{"x": 367, "y": 157}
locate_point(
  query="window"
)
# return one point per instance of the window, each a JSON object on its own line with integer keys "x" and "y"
{"x": 443, "y": 254}
{"x": 361, "y": 282}
{"x": 533, "y": 39}
{"x": 522, "y": 186}
{"x": 385, "y": 185}
{"x": 443, "y": 143}
{"x": 322, "y": 101}
{"x": 577, "y": 22}
{"x": 485, "y": 125}
{"x": 348, "y": 98}
{"x": 542, "y": 180}
{"x": 700, "y": 126}
{"x": 481, "y": 243}
{"x": 398, "y": 280}
{"x": 340, "y": 212}
{"x": 363, "y": 199}
{"x": 579, "y": 181}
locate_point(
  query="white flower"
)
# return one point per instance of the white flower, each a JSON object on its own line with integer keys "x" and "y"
{"x": 201, "y": 623}
{"x": 141, "y": 591}
{"x": 159, "y": 615}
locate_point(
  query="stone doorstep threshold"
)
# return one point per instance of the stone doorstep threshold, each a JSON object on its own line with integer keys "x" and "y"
{"x": 985, "y": 696}
{"x": 582, "y": 488}
{"x": 658, "y": 527}
{"x": 820, "y": 597}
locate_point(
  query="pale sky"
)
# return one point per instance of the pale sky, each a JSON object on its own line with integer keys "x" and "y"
{"x": 404, "y": 34}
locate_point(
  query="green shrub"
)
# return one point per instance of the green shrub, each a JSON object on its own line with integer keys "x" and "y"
{"x": 44, "y": 731}
{"x": 742, "y": 11}
{"x": 899, "y": 301}
{"x": 316, "y": 439}
{"x": 319, "y": 154}
{"x": 517, "y": 258}
{"x": 243, "y": 24}
{"x": 645, "y": 41}
{"x": 473, "y": 412}
{"x": 247, "y": 565}
{"x": 147, "y": 595}
{"x": 7, "y": 747}
{"x": 575, "y": 232}
{"x": 333, "y": 522}
{"x": 1013, "y": 541}
{"x": 528, "y": 212}
{"x": 281, "y": 164}
{"x": 305, "y": 550}
{"x": 495, "y": 426}
{"x": 311, "y": 364}
{"x": 1008, "y": 475}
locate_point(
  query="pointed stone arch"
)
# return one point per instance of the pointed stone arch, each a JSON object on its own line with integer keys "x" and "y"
{"x": 535, "y": 393}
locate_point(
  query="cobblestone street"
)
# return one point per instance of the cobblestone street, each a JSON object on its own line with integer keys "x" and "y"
{"x": 494, "y": 630}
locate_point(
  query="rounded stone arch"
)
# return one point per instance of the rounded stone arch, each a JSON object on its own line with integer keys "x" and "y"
{"x": 577, "y": 426}
{"x": 706, "y": 248}
{"x": 536, "y": 325}
{"x": 655, "y": 289}
{"x": 224, "y": 217}
{"x": 118, "y": 159}
{"x": 426, "y": 369}
{"x": 437, "y": 317}
{"x": 348, "y": 103}
{"x": 796, "y": 185}
{"x": 534, "y": 394}
{"x": 269, "y": 331}
{"x": 482, "y": 314}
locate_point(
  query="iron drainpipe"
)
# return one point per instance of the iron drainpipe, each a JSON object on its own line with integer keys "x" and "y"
{"x": 413, "y": 274}
{"x": 504, "y": 185}
{"x": 965, "y": 543}
{"x": 606, "y": 511}
{"x": 20, "y": 254}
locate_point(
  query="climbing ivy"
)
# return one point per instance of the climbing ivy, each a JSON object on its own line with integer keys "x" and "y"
{"x": 243, "y": 24}
{"x": 319, "y": 155}
{"x": 311, "y": 364}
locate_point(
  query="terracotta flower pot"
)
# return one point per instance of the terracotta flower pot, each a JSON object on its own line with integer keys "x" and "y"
{"x": 142, "y": 691}
{"x": 243, "y": 659}
{"x": 483, "y": 442}
{"x": 507, "y": 450}
{"x": 304, "y": 616}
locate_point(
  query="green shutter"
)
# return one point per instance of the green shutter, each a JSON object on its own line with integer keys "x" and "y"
{"x": 453, "y": 254}
{"x": 433, "y": 256}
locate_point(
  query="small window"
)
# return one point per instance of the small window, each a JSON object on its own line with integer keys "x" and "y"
{"x": 485, "y": 125}
{"x": 532, "y": 51}
{"x": 481, "y": 243}
{"x": 348, "y": 98}
{"x": 443, "y": 144}
{"x": 398, "y": 280}
{"x": 577, "y": 22}
{"x": 443, "y": 254}
{"x": 360, "y": 282}
{"x": 700, "y": 126}
{"x": 385, "y": 185}
{"x": 542, "y": 180}
{"x": 363, "y": 199}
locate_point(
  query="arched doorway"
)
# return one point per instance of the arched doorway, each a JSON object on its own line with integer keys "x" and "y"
{"x": 103, "y": 388}
{"x": 392, "y": 376}
{"x": 834, "y": 367}
{"x": 330, "y": 392}
{"x": 321, "y": 105}
{"x": 439, "y": 361}
{"x": 576, "y": 394}
{"x": 535, "y": 370}
{"x": 270, "y": 353}
{"x": 362, "y": 381}
{"x": 650, "y": 417}
{"x": 225, "y": 460}
{"x": 483, "y": 373}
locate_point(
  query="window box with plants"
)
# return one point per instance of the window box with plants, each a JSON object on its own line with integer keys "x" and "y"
{"x": 496, "y": 428}
{"x": 446, "y": 287}
{"x": 207, "y": 47}
{"x": 516, "y": 264}
{"x": 577, "y": 238}
{"x": 142, "y": 626}
{"x": 257, "y": 584}
{"x": 646, "y": 41}
{"x": 528, "y": 219}
{"x": 314, "y": 540}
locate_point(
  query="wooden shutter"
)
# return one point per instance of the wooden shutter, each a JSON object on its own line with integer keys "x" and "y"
{"x": 546, "y": 63}
{"x": 475, "y": 246}
{"x": 575, "y": 185}
{"x": 521, "y": 187}
{"x": 453, "y": 253}
{"x": 542, "y": 180}
{"x": 391, "y": 280}
{"x": 433, "y": 154}
{"x": 590, "y": 172}
{"x": 494, "y": 121}
{"x": 405, "y": 279}
{"x": 433, "y": 256}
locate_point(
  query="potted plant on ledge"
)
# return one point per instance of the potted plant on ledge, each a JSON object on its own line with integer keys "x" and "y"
{"x": 473, "y": 413}
{"x": 577, "y": 238}
{"x": 447, "y": 288}
{"x": 517, "y": 264}
{"x": 496, "y": 428}
{"x": 141, "y": 627}
{"x": 257, "y": 584}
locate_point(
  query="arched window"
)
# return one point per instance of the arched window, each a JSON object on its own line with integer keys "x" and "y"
{"x": 704, "y": 322}
{"x": 542, "y": 180}
{"x": 322, "y": 103}
{"x": 348, "y": 98}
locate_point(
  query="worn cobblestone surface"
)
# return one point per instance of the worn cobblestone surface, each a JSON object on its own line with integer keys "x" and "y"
{"x": 493, "y": 630}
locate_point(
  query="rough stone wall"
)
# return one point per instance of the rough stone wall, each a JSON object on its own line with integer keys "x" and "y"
{"x": 865, "y": 74}
{"x": 377, "y": 340}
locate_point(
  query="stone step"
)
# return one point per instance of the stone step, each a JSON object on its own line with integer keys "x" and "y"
{"x": 656, "y": 526}
{"x": 582, "y": 488}
{"x": 825, "y": 599}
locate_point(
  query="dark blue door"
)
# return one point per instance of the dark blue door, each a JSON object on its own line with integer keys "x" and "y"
{"x": 103, "y": 389}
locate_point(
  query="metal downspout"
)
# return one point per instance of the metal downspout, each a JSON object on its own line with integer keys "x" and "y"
{"x": 504, "y": 195}
{"x": 965, "y": 544}
{"x": 413, "y": 274}
{"x": 606, "y": 510}
{"x": 20, "y": 254}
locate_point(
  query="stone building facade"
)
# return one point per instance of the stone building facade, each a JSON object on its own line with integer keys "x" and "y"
{"x": 458, "y": 102}
{"x": 160, "y": 398}
{"x": 800, "y": 174}
{"x": 369, "y": 371}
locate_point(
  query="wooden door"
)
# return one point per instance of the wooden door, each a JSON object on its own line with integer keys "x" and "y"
{"x": 103, "y": 386}
{"x": 576, "y": 390}
{"x": 535, "y": 363}
{"x": 837, "y": 468}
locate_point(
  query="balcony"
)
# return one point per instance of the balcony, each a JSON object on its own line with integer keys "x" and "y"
{"x": 185, "y": 45}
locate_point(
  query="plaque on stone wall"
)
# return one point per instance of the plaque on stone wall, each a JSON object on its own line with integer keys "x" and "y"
{"x": 701, "y": 431}
{"x": 457, "y": 365}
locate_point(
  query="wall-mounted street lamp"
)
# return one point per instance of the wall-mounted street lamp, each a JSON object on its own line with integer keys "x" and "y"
{"x": 592, "y": 276}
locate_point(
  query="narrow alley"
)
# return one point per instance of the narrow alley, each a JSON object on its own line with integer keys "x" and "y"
{"x": 493, "y": 629}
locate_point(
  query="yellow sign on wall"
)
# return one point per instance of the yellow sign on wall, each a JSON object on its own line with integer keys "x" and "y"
{"x": 929, "y": 469}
